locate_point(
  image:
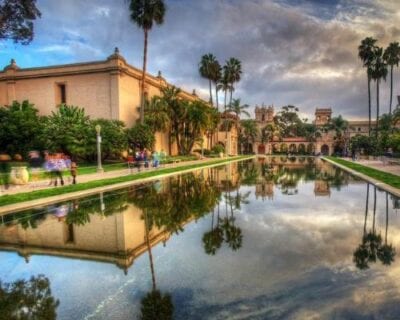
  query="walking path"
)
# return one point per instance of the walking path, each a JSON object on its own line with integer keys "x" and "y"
{"x": 45, "y": 184}
{"x": 381, "y": 165}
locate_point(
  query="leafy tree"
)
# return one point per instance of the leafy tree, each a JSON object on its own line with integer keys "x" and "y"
{"x": 113, "y": 139}
{"x": 144, "y": 13}
{"x": 394, "y": 141}
{"x": 392, "y": 58}
{"x": 238, "y": 109}
{"x": 20, "y": 128}
{"x": 339, "y": 125}
{"x": 16, "y": 20}
{"x": 289, "y": 122}
{"x": 156, "y": 115}
{"x": 66, "y": 130}
{"x": 27, "y": 299}
{"x": 362, "y": 143}
{"x": 142, "y": 136}
{"x": 366, "y": 53}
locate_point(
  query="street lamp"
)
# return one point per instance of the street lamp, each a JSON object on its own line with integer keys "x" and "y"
{"x": 98, "y": 136}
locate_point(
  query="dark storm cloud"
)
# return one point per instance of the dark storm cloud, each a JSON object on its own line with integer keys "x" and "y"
{"x": 300, "y": 52}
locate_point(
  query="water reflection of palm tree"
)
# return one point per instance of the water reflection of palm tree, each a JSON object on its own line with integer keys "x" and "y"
{"x": 387, "y": 252}
{"x": 371, "y": 247}
{"x": 154, "y": 305}
{"x": 212, "y": 240}
{"x": 361, "y": 254}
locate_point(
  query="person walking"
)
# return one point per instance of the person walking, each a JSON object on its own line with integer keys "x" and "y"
{"x": 73, "y": 170}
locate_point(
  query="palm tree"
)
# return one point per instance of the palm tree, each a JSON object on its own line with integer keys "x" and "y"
{"x": 232, "y": 72}
{"x": 216, "y": 74}
{"x": 206, "y": 66}
{"x": 366, "y": 54}
{"x": 238, "y": 109}
{"x": 144, "y": 13}
{"x": 249, "y": 131}
{"x": 392, "y": 58}
{"x": 378, "y": 71}
{"x": 339, "y": 125}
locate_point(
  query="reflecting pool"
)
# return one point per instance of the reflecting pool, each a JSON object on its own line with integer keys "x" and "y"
{"x": 273, "y": 238}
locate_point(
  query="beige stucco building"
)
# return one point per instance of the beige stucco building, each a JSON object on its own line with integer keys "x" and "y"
{"x": 107, "y": 89}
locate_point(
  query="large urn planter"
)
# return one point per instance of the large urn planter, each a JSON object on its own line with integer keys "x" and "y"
{"x": 19, "y": 175}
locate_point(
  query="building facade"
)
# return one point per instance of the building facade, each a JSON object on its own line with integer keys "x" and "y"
{"x": 321, "y": 144}
{"x": 108, "y": 89}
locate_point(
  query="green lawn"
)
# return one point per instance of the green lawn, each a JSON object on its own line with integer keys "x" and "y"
{"x": 33, "y": 195}
{"x": 382, "y": 176}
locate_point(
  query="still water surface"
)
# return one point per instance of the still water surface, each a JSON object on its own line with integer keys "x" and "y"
{"x": 266, "y": 239}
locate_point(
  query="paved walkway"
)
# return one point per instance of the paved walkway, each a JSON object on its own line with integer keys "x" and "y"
{"x": 45, "y": 184}
{"x": 381, "y": 165}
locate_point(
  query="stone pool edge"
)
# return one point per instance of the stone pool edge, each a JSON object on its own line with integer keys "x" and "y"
{"x": 26, "y": 205}
{"x": 378, "y": 183}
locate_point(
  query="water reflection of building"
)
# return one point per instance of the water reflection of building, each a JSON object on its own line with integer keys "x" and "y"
{"x": 265, "y": 190}
{"x": 117, "y": 239}
{"x": 321, "y": 188}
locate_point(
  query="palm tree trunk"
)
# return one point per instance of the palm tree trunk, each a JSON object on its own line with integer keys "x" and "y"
{"x": 230, "y": 99}
{"x": 387, "y": 216}
{"x": 391, "y": 90}
{"x": 216, "y": 96}
{"x": 366, "y": 210}
{"x": 143, "y": 76}
{"x": 211, "y": 99}
{"x": 373, "y": 221}
{"x": 377, "y": 108}
{"x": 146, "y": 225}
{"x": 369, "y": 104}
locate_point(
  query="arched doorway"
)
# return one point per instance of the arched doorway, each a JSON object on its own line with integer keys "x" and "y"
{"x": 325, "y": 150}
{"x": 292, "y": 148}
{"x": 302, "y": 148}
{"x": 284, "y": 148}
{"x": 261, "y": 149}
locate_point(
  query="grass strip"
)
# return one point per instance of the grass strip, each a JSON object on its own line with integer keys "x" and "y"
{"x": 38, "y": 194}
{"x": 385, "y": 177}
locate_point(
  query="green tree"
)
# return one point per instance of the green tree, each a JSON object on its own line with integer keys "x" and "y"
{"x": 392, "y": 58}
{"x": 20, "y": 128}
{"x": 206, "y": 66}
{"x": 339, "y": 125}
{"x": 27, "y": 299}
{"x": 366, "y": 53}
{"x": 141, "y": 136}
{"x": 66, "y": 130}
{"x": 289, "y": 122}
{"x": 232, "y": 74}
{"x": 378, "y": 72}
{"x": 114, "y": 139}
{"x": 249, "y": 132}
{"x": 16, "y": 20}
{"x": 144, "y": 13}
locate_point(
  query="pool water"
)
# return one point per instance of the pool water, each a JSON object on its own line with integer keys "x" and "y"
{"x": 274, "y": 238}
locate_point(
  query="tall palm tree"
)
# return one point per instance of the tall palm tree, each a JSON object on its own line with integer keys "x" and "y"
{"x": 392, "y": 58}
{"x": 378, "y": 71}
{"x": 206, "y": 65}
{"x": 216, "y": 74}
{"x": 238, "y": 109}
{"x": 144, "y": 13}
{"x": 366, "y": 54}
{"x": 232, "y": 72}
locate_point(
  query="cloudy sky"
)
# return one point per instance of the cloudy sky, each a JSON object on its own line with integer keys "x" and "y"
{"x": 299, "y": 52}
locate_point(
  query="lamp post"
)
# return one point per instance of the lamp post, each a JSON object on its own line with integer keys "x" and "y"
{"x": 98, "y": 136}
